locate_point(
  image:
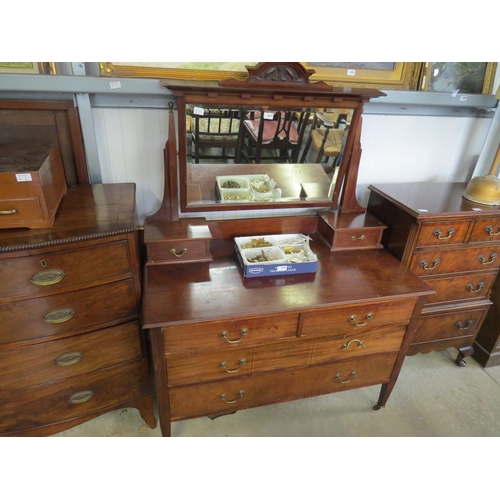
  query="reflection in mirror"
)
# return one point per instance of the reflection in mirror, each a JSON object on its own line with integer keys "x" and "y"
{"x": 312, "y": 140}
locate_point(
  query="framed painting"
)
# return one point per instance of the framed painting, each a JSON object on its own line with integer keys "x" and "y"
{"x": 380, "y": 75}
{"x": 463, "y": 77}
{"x": 180, "y": 70}
{"x": 30, "y": 68}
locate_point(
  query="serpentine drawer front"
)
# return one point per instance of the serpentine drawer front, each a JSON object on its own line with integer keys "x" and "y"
{"x": 70, "y": 344}
{"x": 454, "y": 246}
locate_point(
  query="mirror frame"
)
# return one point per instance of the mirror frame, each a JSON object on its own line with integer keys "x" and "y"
{"x": 279, "y": 86}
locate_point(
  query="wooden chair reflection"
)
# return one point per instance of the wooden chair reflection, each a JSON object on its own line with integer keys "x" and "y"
{"x": 217, "y": 129}
{"x": 327, "y": 138}
{"x": 279, "y": 133}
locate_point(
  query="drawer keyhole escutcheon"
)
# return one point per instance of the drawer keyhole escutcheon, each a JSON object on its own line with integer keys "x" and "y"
{"x": 81, "y": 397}
{"x": 59, "y": 316}
{"x": 470, "y": 287}
{"x": 68, "y": 358}
{"x": 461, "y": 326}
{"x": 369, "y": 317}
{"x": 243, "y": 332}
{"x": 241, "y": 364}
{"x": 482, "y": 258}
{"x": 437, "y": 232}
{"x": 346, "y": 381}
{"x": 47, "y": 277}
{"x": 489, "y": 230}
{"x": 354, "y": 238}
{"x": 347, "y": 345}
{"x": 173, "y": 251}
{"x": 240, "y": 395}
{"x": 435, "y": 263}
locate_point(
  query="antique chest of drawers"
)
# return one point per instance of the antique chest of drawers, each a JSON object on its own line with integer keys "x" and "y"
{"x": 32, "y": 184}
{"x": 71, "y": 346}
{"x": 454, "y": 246}
{"x": 222, "y": 342}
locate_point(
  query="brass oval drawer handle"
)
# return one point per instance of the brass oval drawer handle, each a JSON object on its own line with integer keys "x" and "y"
{"x": 241, "y": 364}
{"x": 243, "y": 332}
{"x": 48, "y": 277}
{"x": 360, "y": 343}
{"x": 240, "y": 395}
{"x": 174, "y": 252}
{"x": 437, "y": 232}
{"x": 68, "y": 358}
{"x": 435, "y": 262}
{"x": 489, "y": 230}
{"x": 8, "y": 212}
{"x": 493, "y": 256}
{"x": 354, "y": 238}
{"x": 461, "y": 326}
{"x": 346, "y": 381}
{"x": 59, "y": 316}
{"x": 369, "y": 317}
{"x": 470, "y": 287}
{"x": 81, "y": 397}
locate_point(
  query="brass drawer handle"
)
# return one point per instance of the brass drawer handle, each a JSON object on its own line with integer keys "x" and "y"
{"x": 352, "y": 319}
{"x": 437, "y": 232}
{"x": 59, "y": 316}
{"x": 493, "y": 256}
{"x": 174, "y": 252}
{"x": 241, "y": 364}
{"x": 81, "y": 397}
{"x": 48, "y": 277}
{"x": 243, "y": 332}
{"x": 435, "y": 262}
{"x": 461, "y": 326}
{"x": 360, "y": 343}
{"x": 240, "y": 395}
{"x": 8, "y": 212}
{"x": 354, "y": 238}
{"x": 470, "y": 287}
{"x": 489, "y": 230}
{"x": 351, "y": 376}
{"x": 68, "y": 358}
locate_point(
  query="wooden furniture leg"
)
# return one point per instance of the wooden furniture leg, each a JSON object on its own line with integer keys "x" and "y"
{"x": 462, "y": 353}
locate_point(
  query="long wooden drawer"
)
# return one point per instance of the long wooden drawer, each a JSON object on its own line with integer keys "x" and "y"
{"x": 485, "y": 230}
{"x": 454, "y": 288}
{"x": 357, "y": 318}
{"x": 449, "y": 325}
{"x": 387, "y": 339}
{"x": 440, "y": 233}
{"x": 68, "y": 313}
{"x": 260, "y": 389}
{"x": 60, "y": 359}
{"x": 455, "y": 261}
{"x": 52, "y": 271}
{"x": 234, "y": 332}
{"x": 44, "y": 404}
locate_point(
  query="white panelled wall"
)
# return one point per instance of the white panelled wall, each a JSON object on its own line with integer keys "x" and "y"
{"x": 396, "y": 148}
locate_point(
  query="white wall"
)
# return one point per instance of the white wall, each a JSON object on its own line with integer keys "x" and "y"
{"x": 396, "y": 148}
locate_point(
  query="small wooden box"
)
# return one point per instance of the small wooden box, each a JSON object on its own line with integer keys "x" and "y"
{"x": 32, "y": 184}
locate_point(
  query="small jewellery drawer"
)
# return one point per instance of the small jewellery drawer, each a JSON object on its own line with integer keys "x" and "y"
{"x": 455, "y": 261}
{"x": 443, "y": 233}
{"x": 259, "y": 389}
{"x": 172, "y": 252}
{"x": 60, "y": 359}
{"x": 357, "y": 238}
{"x": 351, "y": 319}
{"x": 43, "y": 404}
{"x": 16, "y": 211}
{"x": 485, "y": 230}
{"x": 236, "y": 332}
{"x": 69, "y": 313}
{"x": 455, "y": 288}
{"x": 448, "y": 325}
{"x": 52, "y": 271}
{"x": 381, "y": 340}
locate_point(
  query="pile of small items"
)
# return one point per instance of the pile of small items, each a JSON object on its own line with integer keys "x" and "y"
{"x": 247, "y": 188}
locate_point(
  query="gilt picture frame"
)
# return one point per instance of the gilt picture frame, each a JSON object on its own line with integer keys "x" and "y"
{"x": 463, "y": 77}
{"x": 28, "y": 68}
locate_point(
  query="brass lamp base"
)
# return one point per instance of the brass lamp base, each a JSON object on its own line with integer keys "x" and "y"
{"x": 484, "y": 190}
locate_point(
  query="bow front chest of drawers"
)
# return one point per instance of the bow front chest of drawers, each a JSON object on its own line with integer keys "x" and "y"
{"x": 454, "y": 245}
{"x": 71, "y": 346}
